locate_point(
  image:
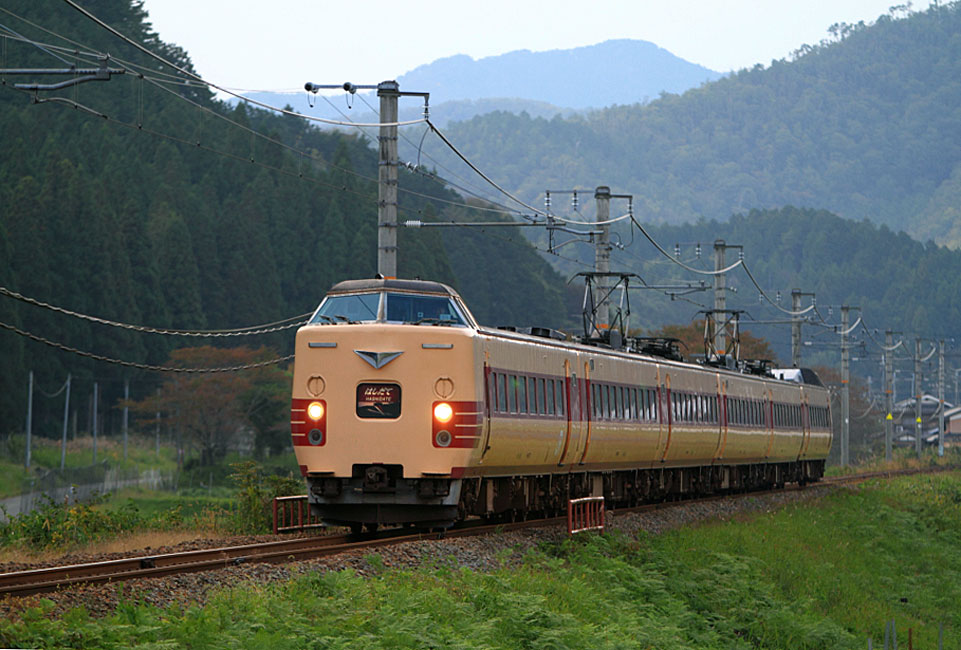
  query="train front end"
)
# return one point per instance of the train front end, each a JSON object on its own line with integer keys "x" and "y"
{"x": 387, "y": 404}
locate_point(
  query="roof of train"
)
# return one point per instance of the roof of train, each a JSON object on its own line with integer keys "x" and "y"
{"x": 373, "y": 284}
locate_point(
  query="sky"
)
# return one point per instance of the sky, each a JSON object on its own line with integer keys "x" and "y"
{"x": 252, "y": 45}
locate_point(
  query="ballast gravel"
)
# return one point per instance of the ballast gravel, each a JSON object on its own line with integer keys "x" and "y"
{"x": 481, "y": 553}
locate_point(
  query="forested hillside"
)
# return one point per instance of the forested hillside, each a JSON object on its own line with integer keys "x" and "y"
{"x": 865, "y": 124}
{"x": 134, "y": 200}
{"x": 897, "y": 282}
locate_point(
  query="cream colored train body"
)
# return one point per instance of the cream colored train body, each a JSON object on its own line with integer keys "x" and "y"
{"x": 406, "y": 411}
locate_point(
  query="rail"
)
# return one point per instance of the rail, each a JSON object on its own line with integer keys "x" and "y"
{"x": 34, "y": 581}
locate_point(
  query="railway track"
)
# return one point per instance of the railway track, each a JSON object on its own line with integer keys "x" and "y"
{"x": 34, "y": 581}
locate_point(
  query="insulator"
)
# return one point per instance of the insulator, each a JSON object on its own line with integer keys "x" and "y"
{"x": 697, "y": 251}
{"x": 777, "y": 296}
{"x": 574, "y": 201}
{"x": 740, "y": 255}
{"x": 677, "y": 250}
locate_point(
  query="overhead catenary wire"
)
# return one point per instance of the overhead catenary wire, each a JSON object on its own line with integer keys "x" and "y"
{"x": 199, "y": 79}
{"x": 457, "y": 152}
{"x": 768, "y": 298}
{"x": 678, "y": 262}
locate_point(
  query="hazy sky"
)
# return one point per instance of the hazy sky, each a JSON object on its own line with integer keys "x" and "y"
{"x": 279, "y": 45}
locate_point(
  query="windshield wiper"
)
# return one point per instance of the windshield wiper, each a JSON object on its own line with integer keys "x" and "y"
{"x": 433, "y": 321}
{"x": 345, "y": 319}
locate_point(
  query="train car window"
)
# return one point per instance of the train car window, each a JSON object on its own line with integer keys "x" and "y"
{"x": 633, "y": 407}
{"x": 512, "y": 393}
{"x": 354, "y": 308}
{"x": 655, "y": 406}
{"x": 549, "y": 394}
{"x": 419, "y": 309}
{"x": 560, "y": 399}
{"x": 618, "y": 402}
{"x": 603, "y": 404}
{"x": 501, "y": 381}
{"x": 539, "y": 393}
{"x": 521, "y": 394}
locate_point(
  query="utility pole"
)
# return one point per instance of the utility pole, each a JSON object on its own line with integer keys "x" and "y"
{"x": 941, "y": 397}
{"x": 720, "y": 299}
{"x": 66, "y": 416}
{"x": 796, "y": 295}
{"x": 845, "y": 391}
{"x": 126, "y": 410}
{"x": 157, "y": 426}
{"x": 95, "y": 417}
{"x": 389, "y": 93}
{"x": 29, "y": 420}
{"x": 917, "y": 396}
{"x": 602, "y": 253}
{"x": 888, "y": 395}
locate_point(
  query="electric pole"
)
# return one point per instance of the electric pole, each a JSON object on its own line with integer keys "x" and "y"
{"x": 126, "y": 411}
{"x": 845, "y": 391}
{"x": 602, "y": 253}
{"x": 888, "y": 394}
{"x": 29, "y": 420}
{"x": 389, "y": 93}
{"x": 66, "y": 416}
{"x": 96, "y": 401}
{"x": 917, "y": 396}
{"x": 720, "y": 299}
{"x": 796, "y": 326}
{"x": 941, "y": 397}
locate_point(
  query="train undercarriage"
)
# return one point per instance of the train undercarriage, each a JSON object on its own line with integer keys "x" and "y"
{"x": 378, "y": 494}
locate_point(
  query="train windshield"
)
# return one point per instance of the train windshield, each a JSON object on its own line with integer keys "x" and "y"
{"x": 352, "y": 308}
{"x": 406, "y": 308}
{"x": 419, "y": 309}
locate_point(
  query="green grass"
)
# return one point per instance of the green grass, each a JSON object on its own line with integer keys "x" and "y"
{"x": 824, "y": 574}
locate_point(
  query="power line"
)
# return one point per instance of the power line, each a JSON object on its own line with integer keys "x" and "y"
{"x": 267, "y": 328}
{"x": 479, "y": 172}
{"x": 141, "y": 366}
{"x": 199, "y": 79}
{"x": 678, "y": 262}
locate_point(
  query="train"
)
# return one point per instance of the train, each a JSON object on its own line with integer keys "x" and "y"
{"x": 406, "y": 411}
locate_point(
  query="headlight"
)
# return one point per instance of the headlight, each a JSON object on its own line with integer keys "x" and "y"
{"x": 315, "y": 410}
{"x": 443, "y": 412}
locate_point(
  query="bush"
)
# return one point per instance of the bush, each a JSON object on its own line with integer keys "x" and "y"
{"x": 255, "y": 494}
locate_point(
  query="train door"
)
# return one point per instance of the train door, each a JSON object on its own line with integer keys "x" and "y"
{"x": 576, "y": 406}
{"x": 490, "y": 393}
{"x": 769, "y": 420}
{"x": 721, "y": 415}
{"x": 666, "y": 413}
{"x": 805, "y": 425}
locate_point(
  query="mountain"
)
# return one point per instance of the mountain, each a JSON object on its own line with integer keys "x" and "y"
{"x": 613, "y": 72}
{"x": 865, "y": 124}
{"x": 541, "y": 84}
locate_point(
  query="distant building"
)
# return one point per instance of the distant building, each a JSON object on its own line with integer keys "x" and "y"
{"x": 905, "y": 421}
